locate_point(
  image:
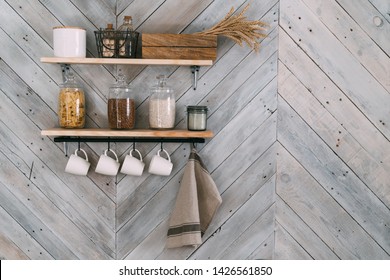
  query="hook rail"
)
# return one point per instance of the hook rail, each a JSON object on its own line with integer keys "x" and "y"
{"x": 127, "y": 139}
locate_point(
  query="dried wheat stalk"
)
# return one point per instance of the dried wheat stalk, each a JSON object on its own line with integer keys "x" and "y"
{"x": 239, "y": 29}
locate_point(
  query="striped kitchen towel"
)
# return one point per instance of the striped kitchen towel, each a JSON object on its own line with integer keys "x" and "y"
{"x": 197, "y": 201}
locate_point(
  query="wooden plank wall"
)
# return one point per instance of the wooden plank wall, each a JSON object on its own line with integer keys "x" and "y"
{"x": 333, "y": 180}
{"x": 47, "y": 214}
{"x": 300, "y": 153}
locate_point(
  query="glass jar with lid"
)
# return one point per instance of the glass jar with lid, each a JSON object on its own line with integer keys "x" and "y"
{"x": 197, "y": 117}
{"x": 121, "y": 105}
{"x": 71, "y": 104}
{"x": 162, "y": 106}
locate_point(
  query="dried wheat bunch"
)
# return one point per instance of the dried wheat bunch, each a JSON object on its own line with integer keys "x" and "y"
{"x": 239, "y": 29}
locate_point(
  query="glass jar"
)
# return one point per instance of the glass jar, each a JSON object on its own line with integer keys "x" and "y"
{"x": 71, "y": 104}
{"x": 197, "y": 117}
{"x": 121, "y": 105}
{"x": 162, "y": 106}
{"x": 108, "y": 41}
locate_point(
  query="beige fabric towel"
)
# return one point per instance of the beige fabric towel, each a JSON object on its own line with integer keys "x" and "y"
{"x": 197, "y": 201}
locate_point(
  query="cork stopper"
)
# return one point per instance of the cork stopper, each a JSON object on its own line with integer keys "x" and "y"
{"x": 110, "y": 26}
{"x": 128, "y": 18}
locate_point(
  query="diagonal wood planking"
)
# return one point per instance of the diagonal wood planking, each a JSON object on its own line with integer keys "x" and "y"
{"x": 295, "y": 131}
{"x": 333, "y": 110}
{"x": 140, "y": 222}
{"x": 91, "y": 208}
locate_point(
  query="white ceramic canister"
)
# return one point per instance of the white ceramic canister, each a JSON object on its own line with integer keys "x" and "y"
{"x": 69, "y": 41}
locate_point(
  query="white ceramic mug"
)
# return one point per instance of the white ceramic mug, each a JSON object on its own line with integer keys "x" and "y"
{"x": 69, "y": 41}
{"x": 159, "y": 165}
{"x": 107, "y": 165}
{"x": 132, "y": 165}
{"x": 78, "y": 165}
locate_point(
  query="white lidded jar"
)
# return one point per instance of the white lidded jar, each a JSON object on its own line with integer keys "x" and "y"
{"x": 69, "y": 41}
{"x": 162, "y": 106}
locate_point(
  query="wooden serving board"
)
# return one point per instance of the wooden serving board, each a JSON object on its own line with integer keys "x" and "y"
{"x": 179, "y": 46}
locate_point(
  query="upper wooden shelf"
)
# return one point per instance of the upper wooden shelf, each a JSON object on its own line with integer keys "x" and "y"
{"x": 145, "y": 133}
{"x": 126, "y": 61}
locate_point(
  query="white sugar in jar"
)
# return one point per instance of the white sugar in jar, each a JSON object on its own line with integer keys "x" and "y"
{"x": 162, "y": 106}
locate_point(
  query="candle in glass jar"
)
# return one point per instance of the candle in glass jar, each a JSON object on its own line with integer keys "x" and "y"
{"x": 197, "y": 117}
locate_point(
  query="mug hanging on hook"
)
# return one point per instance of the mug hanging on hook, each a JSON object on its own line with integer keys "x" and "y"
{"x": 160, "y": 165}
{"x": 78, "y": 165}
{"x": 132, "y": 165}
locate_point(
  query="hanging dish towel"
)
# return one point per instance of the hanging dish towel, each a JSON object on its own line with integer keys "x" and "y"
{"x": 196, "y": 203}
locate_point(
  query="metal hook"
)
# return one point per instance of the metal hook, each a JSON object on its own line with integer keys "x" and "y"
{"x": 194, "y": 145}
{"x": 108, "y": 144}
{"x": 66, "y": 148}
{"x": 161, "y": 146}
{"x": 134, "y": 146}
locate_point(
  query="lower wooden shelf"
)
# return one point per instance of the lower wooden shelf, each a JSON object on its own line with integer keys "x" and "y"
{"x": 95, "y": 134}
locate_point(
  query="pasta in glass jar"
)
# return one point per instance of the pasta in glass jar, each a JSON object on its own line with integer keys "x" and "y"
{"x": 71, "y": 104}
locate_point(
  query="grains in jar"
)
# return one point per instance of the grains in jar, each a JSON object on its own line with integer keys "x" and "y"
{"x": 121, "y": 113}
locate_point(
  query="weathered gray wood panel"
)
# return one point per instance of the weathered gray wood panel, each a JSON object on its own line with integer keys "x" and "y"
{"x": 301, "y": 153}
{"x": 105, "y": 211}
{"x": 333, "y": 109}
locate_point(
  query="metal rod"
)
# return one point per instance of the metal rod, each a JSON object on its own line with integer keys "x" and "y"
{"x": 127, "y": 139}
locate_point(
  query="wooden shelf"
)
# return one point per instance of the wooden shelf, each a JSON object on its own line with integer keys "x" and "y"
{"x": 137, "y": 133}
{"x": 126, "y": 61}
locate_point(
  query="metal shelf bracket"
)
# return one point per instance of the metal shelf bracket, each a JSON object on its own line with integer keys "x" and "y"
{"x": 195, "y": 74}
{"x": 65, "y": 68}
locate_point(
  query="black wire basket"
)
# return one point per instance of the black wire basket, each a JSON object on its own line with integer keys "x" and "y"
{"x": 116, "y": 44}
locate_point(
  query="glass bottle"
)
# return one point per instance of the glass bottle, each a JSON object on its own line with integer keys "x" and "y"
{"x": 162, "y": 106}
{"x": 197, "y": 117}
{"x": 128, "y": 38}
{"x": 71, "y": 104}
{"x": 108, "y": 41}
{"x": 127, "y": 24}
{"x": 121, "y": 105}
